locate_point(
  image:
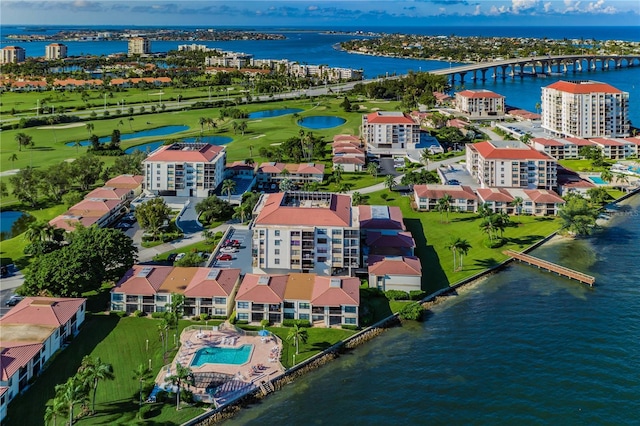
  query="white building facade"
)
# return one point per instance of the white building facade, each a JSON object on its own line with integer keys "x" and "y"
{"x": 387, "y": 133}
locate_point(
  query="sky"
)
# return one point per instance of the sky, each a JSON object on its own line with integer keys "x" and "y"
{"x": 355, "y": 14}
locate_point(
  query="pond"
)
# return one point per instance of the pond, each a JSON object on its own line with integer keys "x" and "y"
{"x": 14, "y": 223}
{"x": 321, "y": 122}
{"x": 159, "y": 131}
{"x": 274, "y": 112}
{"x": 151, "y": 146}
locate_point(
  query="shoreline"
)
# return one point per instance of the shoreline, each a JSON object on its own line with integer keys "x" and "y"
{"x": 434, "y": 299}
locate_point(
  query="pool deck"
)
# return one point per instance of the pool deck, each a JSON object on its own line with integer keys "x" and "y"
{"x": 262, "y": 365}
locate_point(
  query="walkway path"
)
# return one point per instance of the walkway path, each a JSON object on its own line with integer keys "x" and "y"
{"x": 148, "y": 254}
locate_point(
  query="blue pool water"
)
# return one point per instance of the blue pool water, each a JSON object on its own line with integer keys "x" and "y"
{"x": 597, "y": 180}
{"x": 321, "y": 122}
{"x": 427, "y": 141}
{"x": 218, "y": 355}
{"x": 273, "y": 112}
{"x": 159, "y": 131}
{"x": 151, "y": 146}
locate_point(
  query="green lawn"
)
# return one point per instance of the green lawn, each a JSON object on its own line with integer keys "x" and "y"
{"x": 583, "y": 166}
{"x": 432, "y": 234}
{"x": 122, "y": 343}
{"x": 196, "y": 247}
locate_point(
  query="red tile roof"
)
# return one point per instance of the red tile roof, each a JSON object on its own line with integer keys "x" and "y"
{"x": 579, "y": 141}
{"x": 15, "y": 355}
{"x": 195, "y": 153}
{"x": 381, "y": 217}
{"x": 68, "y": 221}
{"x": 380, "y": 239}
{"x": 527, "y": 115}
{"x": 606, "y": 142}
{"x": 435, "y": 192}
{"x": 108, "y": 193}
{"x": 543, "y": 196}
{"x": 94, "y": 206}
{"x": 348, "y": 159}
{"x": 518, "y": 151}
{"x": 583, "y": 87}
{"x": 479, "y": 94}
{"x": 494, "y": 194}
{"x": 211, "y": 282}
{"x": 347, "y": 138}
{"x": 262, "y": 288}
{"x": 338, "y": 213}
{"x": 379, "y": 265}
{"x": 143, "y": 280}
{"x": 326, "y": 291}
{"x": 634, "y": 140}
{"x": 384, "y": 117}
{"x": 49, "y": 311}
{"x": 125, "y": 181}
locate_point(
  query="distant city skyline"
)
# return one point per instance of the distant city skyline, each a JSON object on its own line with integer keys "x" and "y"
{"x": 357, "y": 14}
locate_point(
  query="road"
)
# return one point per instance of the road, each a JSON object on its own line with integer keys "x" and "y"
{"x": 7, "y": 288}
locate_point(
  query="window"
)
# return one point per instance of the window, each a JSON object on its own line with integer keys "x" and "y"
{"x": 277, "y": 242}
{"x": 243, "y": 305}
{"x": 304, "y": 316}
{"x": 350, "y": 309}
{"x": 277, "y": 251}
{"x": 289, "y": 305}
{"x": 161, "y": 298}
{"x": 289, "y": 315}
{"x": 303, "y": 305}
{"x": 220, "y": 300}
{"x": 350, "y": 320}
{"x": 276, "y": 233}
{"x": 276, "y": 261}
{"x": 243, "y": 316}
{"x": 116, "y": 297}
{"x": 322, "y": 259}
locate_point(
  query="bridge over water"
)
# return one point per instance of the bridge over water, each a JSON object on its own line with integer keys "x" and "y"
{"x": 537, "y": 65}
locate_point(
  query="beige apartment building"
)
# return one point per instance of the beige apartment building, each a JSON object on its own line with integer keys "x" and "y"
{"x": 585, "y": 109}
{"x": 139, "y": 46}
{"x": 55, "y": 51}
{"x": 12, "y": 54}
{"x": 480, "y": 103}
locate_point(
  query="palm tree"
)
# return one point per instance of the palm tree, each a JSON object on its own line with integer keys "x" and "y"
{"x": 606, "y": 176}
{"x": 446, "y": 201}
{"x": 537, "y": 107}
{"x": 241, "y": 212}
{"x": 242, "y": 127}
{"x": 463, "y": 249}
{"x": 202, "y": 121}
{"x": 454, "y": 247}
{"x": 356, "y": 198}
{"x": 23, "y": 140}
{"x": 487, "y": 226}
{"x": 92, "y": 371}
{"x": 182, "y": 375}
{"x": 89, "y": 127}
{"x": 141, "y": 374}
{"x": 228, "y": 186}
{"x": 70, "y": 393}
{"x": 297, "y": 334}
{"x": 250, "y": 150}
{"x": 372, "y": 169}
{"x": 53, "y": 410}
{"x": 39, "y": 231}
{"x": 337, "y": 173}
{"x": 425, "y": 156}
{"x": 622, "y": 178}
{"x": 389, "y": 182}
{"x": 517, "y": 203}
{"x": 77, "y": 144}
{"x": 13, "y": 157}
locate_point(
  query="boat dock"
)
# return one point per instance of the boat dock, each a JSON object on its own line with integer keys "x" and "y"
{"x": 551, "y": 267}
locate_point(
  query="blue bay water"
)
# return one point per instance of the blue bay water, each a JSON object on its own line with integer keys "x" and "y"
{"x": 522, "y": 347}
{"x": 314, "y": 47}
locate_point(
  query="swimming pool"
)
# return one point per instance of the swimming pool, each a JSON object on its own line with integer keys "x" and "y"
{"x": 218, "y": 355}
{"x": 597, "y": 180}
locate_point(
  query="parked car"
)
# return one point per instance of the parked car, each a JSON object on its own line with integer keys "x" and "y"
{"x": 172, "y": 257}
{"x": 13, "y": 300}
{"x": 453, "y": 182}
{"x": 225, "y": 257}
{"x": 180, "y": 256}
{"x": 228, "y": 249}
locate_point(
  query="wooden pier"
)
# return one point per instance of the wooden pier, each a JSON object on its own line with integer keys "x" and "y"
{"x": 551, "y": 267}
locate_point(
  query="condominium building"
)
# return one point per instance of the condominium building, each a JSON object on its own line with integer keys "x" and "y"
{"x": 306, "y": 232}
{"x": 388, "y": 133}
{"x": 480, "y": 103}
{"x": 510, "y": 164}
{"x": 149, "y": 288}
{"x": 273, "y": 172}
{"x": 139, "y": 46}
{"x": 184, "y": 169}
{"x": 55, "y": 51}
{"x": 31, "y": 333}
{"x": 585, "y": 109}
{"x": 12, "y": 54}
{"x": 323, "y": 301}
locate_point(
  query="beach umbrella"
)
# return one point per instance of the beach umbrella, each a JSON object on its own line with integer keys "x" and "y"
{"x": 263, "y": 333}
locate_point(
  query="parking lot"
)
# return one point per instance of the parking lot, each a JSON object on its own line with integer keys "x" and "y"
{"x": 241, "y": 257}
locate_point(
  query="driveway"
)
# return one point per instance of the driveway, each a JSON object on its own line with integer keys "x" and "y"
{"x": 188, "y": 219}
{"x": 387, "y": 167}
{"x": 8, "y": 286}
{"x": 242, "y": 258}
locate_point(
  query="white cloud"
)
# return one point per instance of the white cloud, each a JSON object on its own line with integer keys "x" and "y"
{"x": 518, "y": 6}
{"x": 476, "y": 11}
{"x": 548, "y": 7}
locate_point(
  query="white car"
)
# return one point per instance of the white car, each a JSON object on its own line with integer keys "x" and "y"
{"x": 180, "y": 256}
{"x": 228, "y": 250}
